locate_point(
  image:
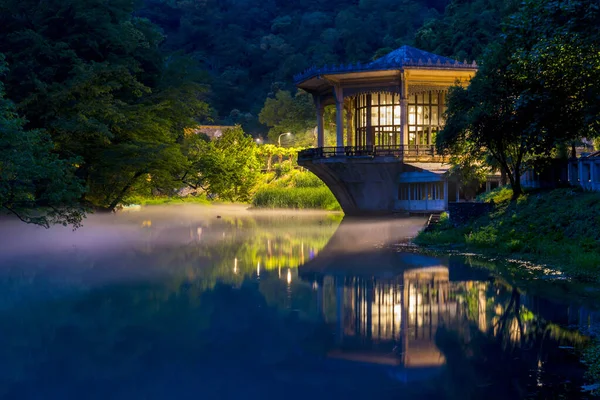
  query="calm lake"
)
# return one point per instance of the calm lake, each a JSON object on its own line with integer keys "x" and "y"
{"x": 197, "y": 302}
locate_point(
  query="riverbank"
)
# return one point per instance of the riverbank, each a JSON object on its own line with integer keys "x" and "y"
{"x": 557, "y": 228}
{"x": 296, "y": 189}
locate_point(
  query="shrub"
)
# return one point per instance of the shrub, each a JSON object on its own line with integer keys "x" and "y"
{"x": 299, "y": 198}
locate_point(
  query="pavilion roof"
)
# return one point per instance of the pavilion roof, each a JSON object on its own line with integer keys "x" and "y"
{"x": 405, "y": 56}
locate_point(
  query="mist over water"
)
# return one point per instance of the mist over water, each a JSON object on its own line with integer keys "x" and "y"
{"x": 193, "y": 301}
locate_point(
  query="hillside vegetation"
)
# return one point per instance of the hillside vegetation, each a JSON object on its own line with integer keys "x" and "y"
{"x": 558, "y": 228}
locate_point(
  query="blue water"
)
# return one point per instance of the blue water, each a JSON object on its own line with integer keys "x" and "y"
{"x": 189, "y": 302}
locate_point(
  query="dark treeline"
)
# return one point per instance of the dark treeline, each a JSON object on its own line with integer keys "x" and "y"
{"x": 252, "y": 49}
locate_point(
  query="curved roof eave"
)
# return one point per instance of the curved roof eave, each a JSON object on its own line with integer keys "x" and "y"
{"x": 399, "y": 59}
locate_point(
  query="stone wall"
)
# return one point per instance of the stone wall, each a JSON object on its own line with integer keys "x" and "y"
{"x": 461, "y": 213}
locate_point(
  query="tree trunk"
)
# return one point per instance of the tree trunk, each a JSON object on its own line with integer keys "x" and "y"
{"x": 123, "y": 191}
{"x": 515, "y": 183}
{"x": 503, "y": 177}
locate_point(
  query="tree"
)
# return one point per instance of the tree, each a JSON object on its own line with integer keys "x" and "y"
{"x": 536, "y": 91}
{"x": 227, "y": 167}
{"x": 557, "y": 60}
{"x": 287, "y": 113}
{"x": 93, "y": 76}
{"x": 481, "y": 120}
{"x": 35, "y": 185}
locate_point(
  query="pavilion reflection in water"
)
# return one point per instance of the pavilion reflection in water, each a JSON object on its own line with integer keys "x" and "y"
{"x": 394, "y": 320}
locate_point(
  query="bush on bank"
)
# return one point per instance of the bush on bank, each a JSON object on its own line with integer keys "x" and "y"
{"x": 558, "y": 227}
{"x": 297, "y": 189}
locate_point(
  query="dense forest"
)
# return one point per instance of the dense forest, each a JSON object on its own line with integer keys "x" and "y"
{"x": 251, "y": 50}
{"x": 97, "y": 97}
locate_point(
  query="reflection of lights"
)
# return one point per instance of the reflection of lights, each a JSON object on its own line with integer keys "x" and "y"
{"x": 146, "y": 224}
{"x": 289, "y": 276}
{"x": 397, "y": 309}
{"x": 258, "y": 269}
{"x": 315, "y": 285}
{"x": 235, "y": 266}
{"x": 279, "y": 271}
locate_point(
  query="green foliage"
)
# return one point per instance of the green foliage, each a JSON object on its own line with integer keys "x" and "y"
{"x": 557, "y": 227}
{"x": 591, "y": 358}
{"x": 285, "y": 113}
{"x": 537, "y": 89}
{"x": 297, "y": 115}
{"x": 227, "y": 167}
{"x": 35, "y": 185}
{"x": 498, "y": 195}
{"x": 92, "y": 75}
{"x": 159, "y": 200}
{"x": 296, "y": 189}
{"x": 471, "y": 175}
{"x": 465, "y": 28}
{"x": 298, "y": 198}
{"x": 253, "y": 49}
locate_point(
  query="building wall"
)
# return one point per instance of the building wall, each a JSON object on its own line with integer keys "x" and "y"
{"x": 585, "y": 172}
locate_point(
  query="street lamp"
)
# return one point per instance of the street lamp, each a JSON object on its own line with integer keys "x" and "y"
{"x": 283, "y": 134}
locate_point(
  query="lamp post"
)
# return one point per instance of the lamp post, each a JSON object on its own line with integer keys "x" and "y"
{"x": 283, "y": 134}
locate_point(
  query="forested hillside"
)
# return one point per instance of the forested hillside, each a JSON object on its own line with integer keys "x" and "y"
{"x": 251, "y": 49}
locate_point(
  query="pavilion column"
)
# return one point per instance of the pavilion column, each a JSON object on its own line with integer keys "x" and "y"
{"x": 368, "y": 131}
{"x": 320, "y": 130}
{"x": 403, "y": 110}
{"x": 349, "y": 117}
{"x": 339, "y": 122}
{"x": 446, "y": 194}
{"x": 404, "y": 121}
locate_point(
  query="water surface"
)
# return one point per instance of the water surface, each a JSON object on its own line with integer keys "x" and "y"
{"x": 220, "y": 302}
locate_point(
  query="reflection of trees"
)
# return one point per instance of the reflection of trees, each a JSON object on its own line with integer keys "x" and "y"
{"x": 231, "y": 248}
{"x": 507, "y": 358}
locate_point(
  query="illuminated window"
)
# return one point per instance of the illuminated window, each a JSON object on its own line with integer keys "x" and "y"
{"x": 382, "y": 112}
{"x": 425, "y": 112}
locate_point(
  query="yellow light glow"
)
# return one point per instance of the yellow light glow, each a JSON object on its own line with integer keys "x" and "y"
{"x": 235, "y": 268}
{"x": 146, "y": 224}
{"x": 258, "y": 269}
{"x": 289, "y": 276}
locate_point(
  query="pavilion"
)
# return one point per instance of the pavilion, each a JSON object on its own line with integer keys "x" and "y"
{"x": 388, "y": 114}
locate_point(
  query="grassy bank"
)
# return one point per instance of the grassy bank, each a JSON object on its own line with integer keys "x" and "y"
{"x": 296, "y": 189}
{"x": 159, "y": 200}
{"x": 559, "y": 228}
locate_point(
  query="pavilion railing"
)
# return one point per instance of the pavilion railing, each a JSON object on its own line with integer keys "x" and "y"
{"x": 399, "y": 151}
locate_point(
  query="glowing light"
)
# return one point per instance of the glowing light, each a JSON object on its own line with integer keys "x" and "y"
{"x": 147, "y": 224}
{"x": 235, "y": 269}
{"x": 258, "y": 269}
{"x": 289, "y": 276}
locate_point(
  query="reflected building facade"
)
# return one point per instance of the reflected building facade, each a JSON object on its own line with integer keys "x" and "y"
{"x": 394, "y": 320}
